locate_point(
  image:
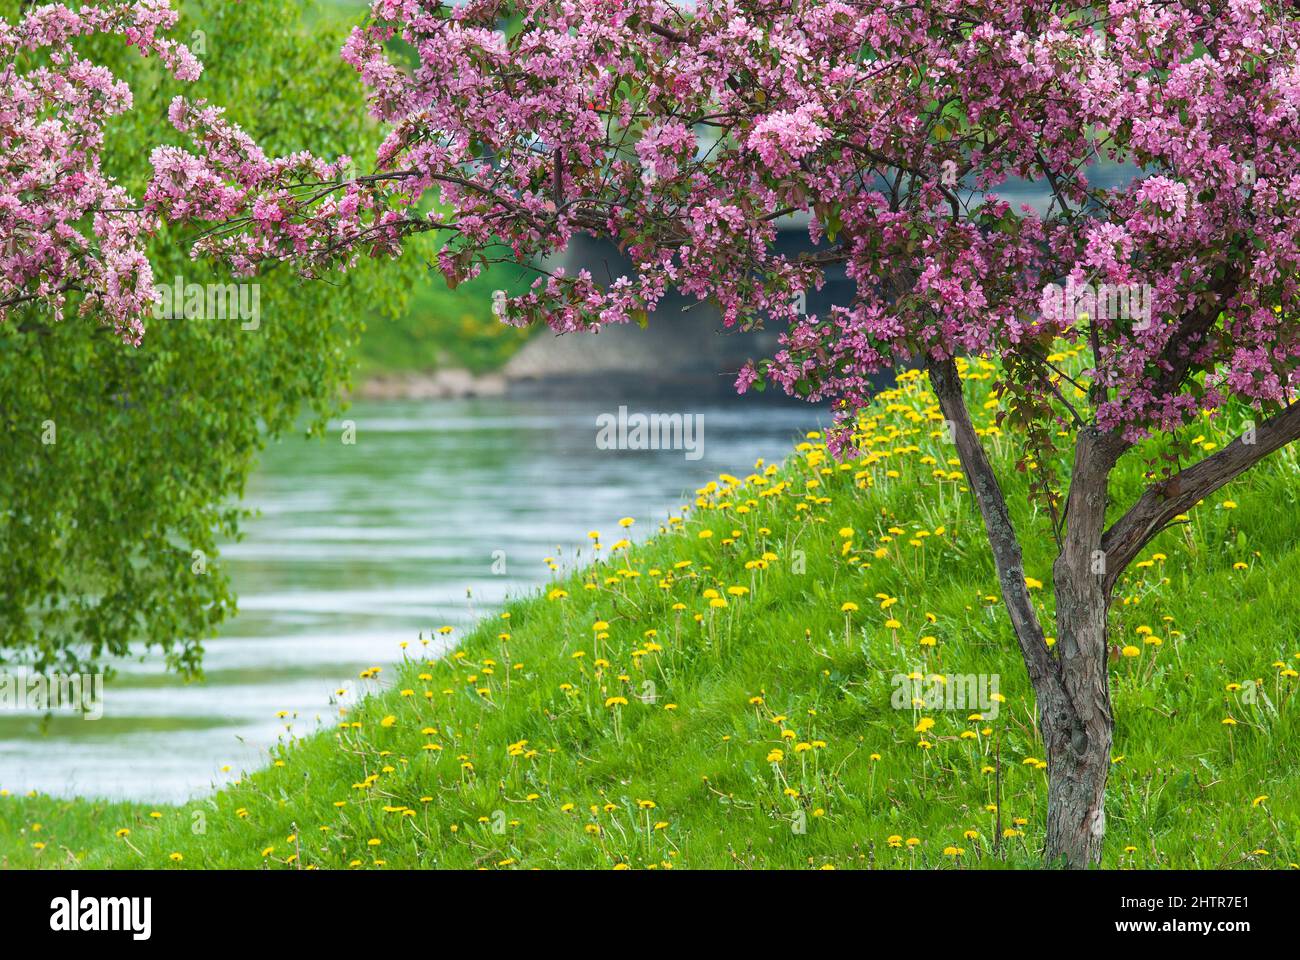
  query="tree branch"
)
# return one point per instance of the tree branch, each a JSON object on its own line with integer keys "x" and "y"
{"x": 1163, "y": 501}
{"x": 1007, "y": 555}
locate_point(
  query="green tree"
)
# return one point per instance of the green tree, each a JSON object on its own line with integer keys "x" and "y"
{"x": 121, "y": 467}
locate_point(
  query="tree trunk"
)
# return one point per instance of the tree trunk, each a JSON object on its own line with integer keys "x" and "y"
{"x": 1072, "y": 687}
{"x": 1078, "y": 732}
{"x": 1078, "y": 752}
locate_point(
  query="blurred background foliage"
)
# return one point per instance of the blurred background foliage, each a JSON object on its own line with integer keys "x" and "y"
{"x": 440, "y": 327}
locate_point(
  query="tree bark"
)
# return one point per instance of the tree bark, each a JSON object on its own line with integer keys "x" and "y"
{"x": 1162, "y": 501}
{"x": 1072, "y": 688}
{"x": 1078, "y": 755}
{"x": 997, "y": 521}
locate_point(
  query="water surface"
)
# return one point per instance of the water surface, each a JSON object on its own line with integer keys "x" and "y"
{"x": 436, "y": 514}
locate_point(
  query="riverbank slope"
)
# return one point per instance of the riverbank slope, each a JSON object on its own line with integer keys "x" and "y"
{"x": 734, "y": 692}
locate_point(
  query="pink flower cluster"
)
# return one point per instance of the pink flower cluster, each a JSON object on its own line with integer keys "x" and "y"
{"x": 782, "y": 137}
{"x": 65, "y": 226}
{"x": 66, "y": 229}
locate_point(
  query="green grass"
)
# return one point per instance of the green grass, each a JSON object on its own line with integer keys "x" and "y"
{"x": 514, "y": 751}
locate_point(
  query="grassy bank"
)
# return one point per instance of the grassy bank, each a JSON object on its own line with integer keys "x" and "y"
{"x": 707, "y": 699}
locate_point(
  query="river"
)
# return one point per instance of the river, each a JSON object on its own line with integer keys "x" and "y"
{"x": 434, "y": 515}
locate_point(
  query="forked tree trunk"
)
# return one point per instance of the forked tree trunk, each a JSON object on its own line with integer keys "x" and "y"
{"x": 1070, "y": 686}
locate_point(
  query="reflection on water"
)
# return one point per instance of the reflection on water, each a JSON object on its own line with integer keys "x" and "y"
{"x": 361, "y": 547}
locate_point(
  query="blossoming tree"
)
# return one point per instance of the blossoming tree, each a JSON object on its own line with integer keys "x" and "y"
{"x": 689, "y": 134}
